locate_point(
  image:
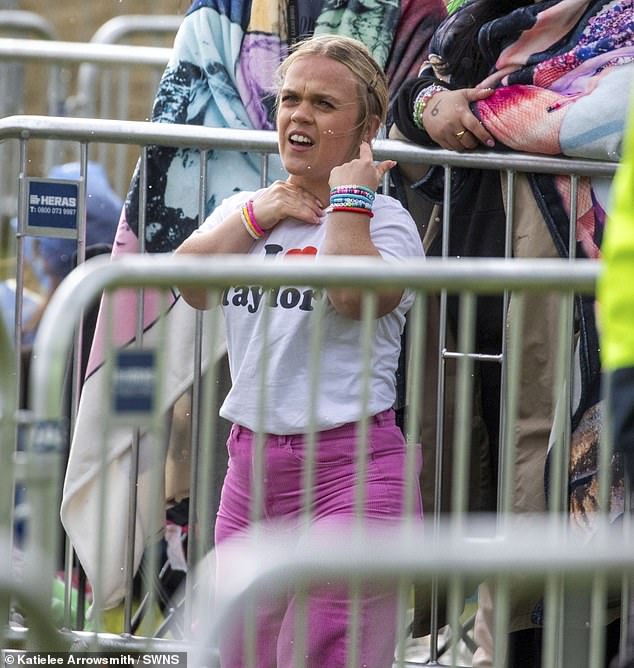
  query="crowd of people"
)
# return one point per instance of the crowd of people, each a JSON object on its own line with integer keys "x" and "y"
{"x": 496, "y": 75}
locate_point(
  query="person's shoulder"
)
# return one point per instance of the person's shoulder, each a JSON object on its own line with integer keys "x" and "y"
{"x": 238, "y": 198}
{"x": 226, "y": 207}
{"x": 232, "y": 202}
{"x": 388, "y": 203}
{"x": 390, "y": 211}
{"x": 393, "y": 221}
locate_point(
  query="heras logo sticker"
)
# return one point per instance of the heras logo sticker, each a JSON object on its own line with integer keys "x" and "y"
{"x": 52, "y": 207}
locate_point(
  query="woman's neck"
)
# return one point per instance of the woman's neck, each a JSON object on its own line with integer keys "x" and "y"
{"x": 320, "y": 189}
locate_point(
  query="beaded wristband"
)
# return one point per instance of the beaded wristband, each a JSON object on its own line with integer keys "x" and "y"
{"x": 252, "y": 219}
{"x": 351, "y": 200}
{"x": 353, "y": 190}
{"x": 421, "y": 101}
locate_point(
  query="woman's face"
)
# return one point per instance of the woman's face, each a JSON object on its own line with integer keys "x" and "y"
{"x": 318, "y": 119}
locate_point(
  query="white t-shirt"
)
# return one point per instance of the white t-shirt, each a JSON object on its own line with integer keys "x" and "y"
{"x": 285, "y": 403}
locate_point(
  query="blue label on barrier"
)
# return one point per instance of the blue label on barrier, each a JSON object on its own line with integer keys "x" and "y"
{"x": 134, "y": 382}
{"x": 52, "y": 204}
{"x": 50, "y": 436}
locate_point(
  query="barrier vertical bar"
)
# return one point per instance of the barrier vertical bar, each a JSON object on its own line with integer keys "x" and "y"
{"x": 8, "y": 407}
{"x": 504, "y": 445}
{"x": 19, "y": 271}
{"x": 196, "y": 548}
{"x": 464, "y": 399}
{"x": 134, "y": 472}
{"x": 440, "y": 412}
{"x": 76, "y": 374}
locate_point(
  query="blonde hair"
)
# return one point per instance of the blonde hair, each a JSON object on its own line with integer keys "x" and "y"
{"x": 372, "y": 82}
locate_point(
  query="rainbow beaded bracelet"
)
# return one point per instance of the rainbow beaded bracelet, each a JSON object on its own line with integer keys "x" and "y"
{"x": 421, "y": 101}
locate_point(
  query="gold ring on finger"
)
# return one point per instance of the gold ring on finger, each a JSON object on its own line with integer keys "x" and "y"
{"x": 460, "y": 134}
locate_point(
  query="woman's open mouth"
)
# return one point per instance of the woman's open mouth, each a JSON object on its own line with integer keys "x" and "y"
{"x": 300, "y": 140}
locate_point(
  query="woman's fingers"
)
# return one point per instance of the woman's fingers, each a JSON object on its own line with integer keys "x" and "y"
{"x": 450, "y": 122}
{"x": 465, "y": 140}
{"x": 283, "y": 200}
{"x": 471, "y": 135}
{"x": 383, "y": 167}
{"x": 472, "y": 124}
{"x": 474, "y": 134}
{"x": 365, "y": 152}
{"x": 362, "y": 170}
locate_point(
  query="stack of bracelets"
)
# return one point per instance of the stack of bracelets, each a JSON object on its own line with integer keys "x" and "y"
{"x": 250, "y": 223}
{"x": 421, "y": 101}
{"x": 352, "y": 199}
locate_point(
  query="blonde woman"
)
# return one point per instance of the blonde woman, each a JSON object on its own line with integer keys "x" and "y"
{"x": 331, "y": 102}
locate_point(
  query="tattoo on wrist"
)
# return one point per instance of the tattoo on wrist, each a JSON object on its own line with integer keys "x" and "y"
{"x": 434, "y": 111}
{"x": 421, "y": 101}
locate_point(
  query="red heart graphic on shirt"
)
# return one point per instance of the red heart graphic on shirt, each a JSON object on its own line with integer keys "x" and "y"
{"x": 307, "y": 250}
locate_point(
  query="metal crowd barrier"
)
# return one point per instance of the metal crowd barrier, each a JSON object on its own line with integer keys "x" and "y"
{"x": 464, "y": 550}
{"x": 115, "y": 31}
{"x": 541, "y": 551}
{"x": 153, "y": 30}
{"x": 104, "y": 75}
{"x": 470, "y": 277}
{"x": 83, "y": 133}
{"x": 57, "y": 55}
{"x": 26, "y": 23}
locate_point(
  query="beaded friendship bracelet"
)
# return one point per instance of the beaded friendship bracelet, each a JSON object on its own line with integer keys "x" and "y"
{"x": 421, "y": 101}
{"x": 353, "y": 190}
{"x": 352, "y": 199}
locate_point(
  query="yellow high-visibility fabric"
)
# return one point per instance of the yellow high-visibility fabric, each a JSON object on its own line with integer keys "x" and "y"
{"x": 616, "y": 281}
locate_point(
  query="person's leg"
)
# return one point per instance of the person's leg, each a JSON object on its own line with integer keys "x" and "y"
{"x": 330, "y": 635}
{"x": 483, "y": 628}
{"x": 261, "y": 622}
{"x": 538, "y": 365}
{"x": 327, "y": 616}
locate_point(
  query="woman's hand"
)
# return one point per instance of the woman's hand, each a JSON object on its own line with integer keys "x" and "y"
{"x": 348, "y": 232}
{"x": 285, "y": 200}
{"x": 449, "y": 121}
{"x": 362, "y": 171}
{"x": 279, "y": 201}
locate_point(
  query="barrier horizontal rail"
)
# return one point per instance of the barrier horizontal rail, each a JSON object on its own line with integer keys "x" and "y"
{"x": 56, "y": 328}
{"x": 21, "y": 21}
{"x": 76, "y": 52}
{"x": 171, "y": 134}
{"x": 476, "y": 548}
{"x": 113, "y": 32}
{"x": 118, "y": 27}
{"x": 265, "y": 564}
